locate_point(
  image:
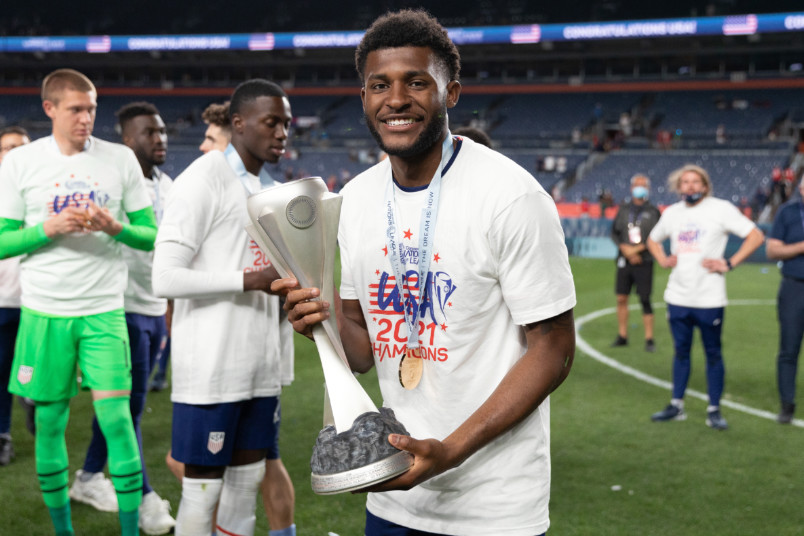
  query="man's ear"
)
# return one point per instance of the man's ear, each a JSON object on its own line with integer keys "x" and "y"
{"x": 453, "y": 93}
{"x": 237, "y": 123}
{"x": 49, "y": 107}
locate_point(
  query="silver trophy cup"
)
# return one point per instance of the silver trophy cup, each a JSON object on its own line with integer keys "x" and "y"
{"x": 296, "y": 226}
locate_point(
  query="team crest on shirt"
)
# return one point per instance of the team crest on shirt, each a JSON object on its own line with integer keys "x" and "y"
{"x": 77, "y": 193}
{"x": 215, "y": 442}
{"x": 24, "y": 374}
{"x": 427, "y": 304}
{"x": 689, "y": 238}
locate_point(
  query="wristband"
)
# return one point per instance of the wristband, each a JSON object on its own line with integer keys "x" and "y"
{"x": 728, "y": 263}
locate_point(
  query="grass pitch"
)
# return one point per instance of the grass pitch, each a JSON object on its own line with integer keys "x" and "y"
{"x": 614, "y": 471}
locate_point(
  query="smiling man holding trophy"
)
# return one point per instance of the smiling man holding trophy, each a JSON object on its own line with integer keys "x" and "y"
{"x": 456, "y": 286}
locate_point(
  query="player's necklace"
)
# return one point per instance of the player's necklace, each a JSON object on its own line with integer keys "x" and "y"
{"x": 411, "y": 365}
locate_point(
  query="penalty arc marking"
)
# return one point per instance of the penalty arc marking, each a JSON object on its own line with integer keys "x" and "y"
{"x": 647, "y": 378}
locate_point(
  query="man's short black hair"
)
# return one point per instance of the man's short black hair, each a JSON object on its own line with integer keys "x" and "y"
{"x": 14, "y": 129}
{"x": 409, "y": 28}
{"x": 251, "y": 90}
{"x": 132, "y": 110}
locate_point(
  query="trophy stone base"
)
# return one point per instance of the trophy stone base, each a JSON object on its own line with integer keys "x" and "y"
{"x": 359, "y": 457}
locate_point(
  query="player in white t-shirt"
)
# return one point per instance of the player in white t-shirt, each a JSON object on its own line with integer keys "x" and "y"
{"x": 698, "y": 227}
{"x": 10, "y": 138}
{"x": 143, "y": 131}
{"x": 483, "y": 288}
{"x": 225, "y": 351}
{"x": 63, "y": 200}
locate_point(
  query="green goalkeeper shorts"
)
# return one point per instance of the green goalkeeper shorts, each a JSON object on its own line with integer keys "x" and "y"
{"x": 50, "y": 349}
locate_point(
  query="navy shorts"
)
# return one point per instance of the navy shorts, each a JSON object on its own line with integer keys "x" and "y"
{"x": 208, "y": 434}
{"x": 377, "y": 526}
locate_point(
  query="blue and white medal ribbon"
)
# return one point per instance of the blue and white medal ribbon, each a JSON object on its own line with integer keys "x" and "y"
{"x": 410, "y": 368}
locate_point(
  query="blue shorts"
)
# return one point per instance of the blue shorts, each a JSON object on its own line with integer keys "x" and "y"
{"x": 377, "y": 526}
{"x": 208, "y": 434}
{"x": 147, "y": 337}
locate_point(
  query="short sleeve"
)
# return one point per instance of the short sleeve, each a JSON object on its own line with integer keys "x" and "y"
{"x": 660, "y": 231}
{"x": 779, "y": 228}
{"x": 347, "y": 291}
{"x": 189, "y": 210}
{"x": 527, "y": 242}
{"x": 735, "y": 221}
{"x": 135, "y": 195}
{"x": 12, "y": 204}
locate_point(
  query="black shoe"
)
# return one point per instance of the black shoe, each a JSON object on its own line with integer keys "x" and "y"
{"x": 650, "y": 346}
{"x": 158, "y": 385}
{"x": 786, "y": 415}
{"x": 715, "y": 420}
{"x": 619, "y": 341}
{"x": 6, "y": 450}
{"x": 670, "y": 413}
{"x": 29, "y": 408}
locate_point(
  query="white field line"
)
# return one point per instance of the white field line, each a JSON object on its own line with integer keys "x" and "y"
{"x": 639, "y": 375}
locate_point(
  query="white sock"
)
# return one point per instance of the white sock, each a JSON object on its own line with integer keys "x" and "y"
{"x": 289, "y": 531}
{"x": 711, "y": 408}
{"x": 678, "y": 402}
{"x": 239, "y": 498}
{"x": 198, "y": 499}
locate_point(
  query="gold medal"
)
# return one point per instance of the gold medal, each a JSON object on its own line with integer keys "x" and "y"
{"x": 410, "y": 369}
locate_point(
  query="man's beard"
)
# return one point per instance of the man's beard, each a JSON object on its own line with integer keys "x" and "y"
{"x": 430, "y": 136}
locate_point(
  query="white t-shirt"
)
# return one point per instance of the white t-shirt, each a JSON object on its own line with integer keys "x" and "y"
{"x": 10, "y": 283}
{"x": 81, "y": 273}
{"x": 498, "y": 262}
{"x": 696, "y": 233}
{"x": 139, "y": 295}
{"x": 225, "y": 345}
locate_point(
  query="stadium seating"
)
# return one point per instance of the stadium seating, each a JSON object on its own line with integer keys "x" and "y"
{"x": 735, "y": 174}
{"x": 332, "y": 139}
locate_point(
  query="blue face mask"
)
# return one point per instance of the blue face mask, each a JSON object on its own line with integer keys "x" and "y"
{"x": 691, "y": 199}
{"x": 639, "y": 192}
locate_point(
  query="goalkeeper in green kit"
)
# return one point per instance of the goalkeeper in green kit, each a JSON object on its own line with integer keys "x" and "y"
{"x": 62, "y": 201}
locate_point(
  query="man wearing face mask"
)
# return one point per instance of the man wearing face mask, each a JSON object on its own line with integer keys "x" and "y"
{"x": 634, "y": 222}
{"x": 698, "y": 227}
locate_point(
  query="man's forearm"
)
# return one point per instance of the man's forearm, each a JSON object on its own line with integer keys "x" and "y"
{"x": 776, "y": 250}
{"x": 140, "y": 233}
{"x": 15, "y": 241}
{"x": 656, "y": 250}
{"x": 749, "y": 245}
{"x": 354, "y": 334}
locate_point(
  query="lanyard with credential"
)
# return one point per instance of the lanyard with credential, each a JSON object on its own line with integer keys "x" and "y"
{"x": 427, "y": 225}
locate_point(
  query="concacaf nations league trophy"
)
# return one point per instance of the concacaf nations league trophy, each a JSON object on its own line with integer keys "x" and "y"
{"x": 296, "y": 226}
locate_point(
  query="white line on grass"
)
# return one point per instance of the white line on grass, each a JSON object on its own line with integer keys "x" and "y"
{"x": 630, "y": 371}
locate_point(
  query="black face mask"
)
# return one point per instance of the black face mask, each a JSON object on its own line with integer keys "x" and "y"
{"x": 691, "y": 199}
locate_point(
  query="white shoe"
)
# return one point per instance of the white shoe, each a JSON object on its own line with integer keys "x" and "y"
{"x": 155, "y": 515}
{"x": 98, "y": 492}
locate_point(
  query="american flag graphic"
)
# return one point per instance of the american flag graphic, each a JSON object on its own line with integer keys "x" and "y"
{"x": 390, "y": 287}
{"x": 215, "y": 442}
{"x": 740, "y": 25}
{"x": 526, "y": 34}
{"x": 99, "y": 44}
{"x": 261, "y": 41}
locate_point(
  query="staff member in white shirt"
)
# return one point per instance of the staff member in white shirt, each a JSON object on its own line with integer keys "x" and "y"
{"x": 698, "y": 227}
